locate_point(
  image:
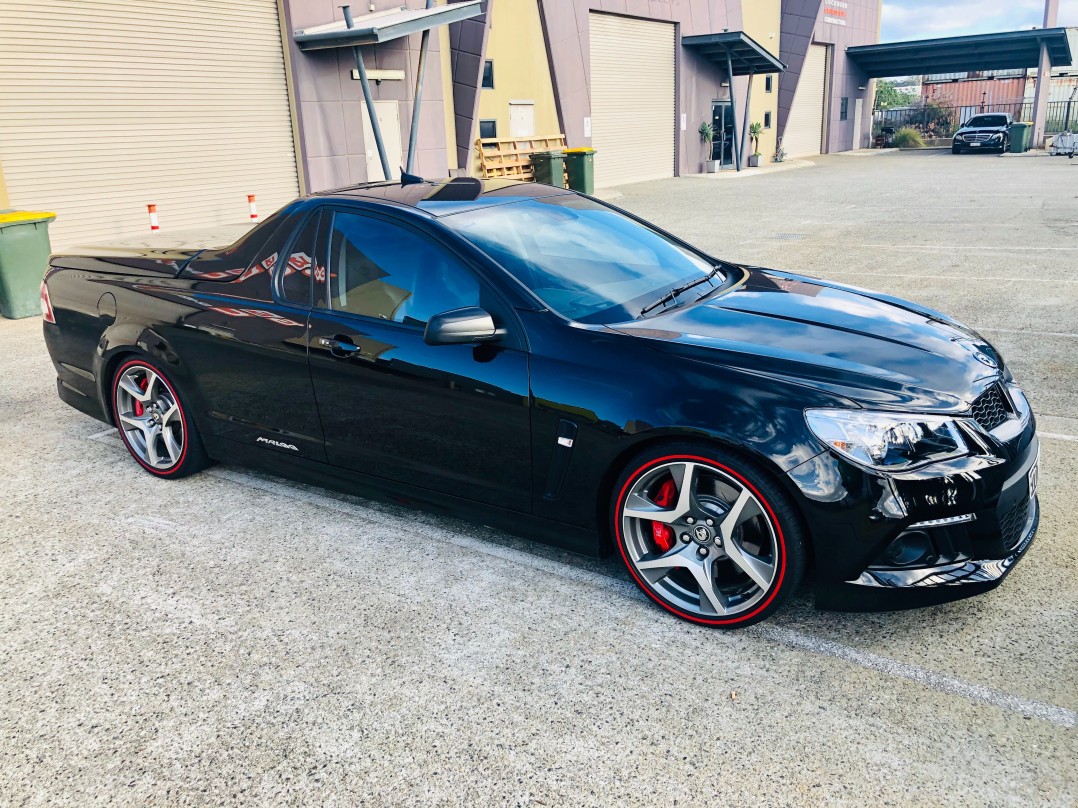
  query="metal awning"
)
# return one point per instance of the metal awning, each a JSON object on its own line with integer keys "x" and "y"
{"x": 746, "y": 54}
{"x": 383, "y": 26}
{"x": 738, "y": 54}
{"x": 1003, "y": 51}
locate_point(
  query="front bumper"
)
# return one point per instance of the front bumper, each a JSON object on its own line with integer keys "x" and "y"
{"x": 966, "y": 524}
{"x": 890, "y": 590}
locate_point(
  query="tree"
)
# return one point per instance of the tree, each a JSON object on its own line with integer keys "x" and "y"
{"x": 888, "y": 95}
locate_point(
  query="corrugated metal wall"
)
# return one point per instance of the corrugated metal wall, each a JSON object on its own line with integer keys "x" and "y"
{"x": 107, "y": 105}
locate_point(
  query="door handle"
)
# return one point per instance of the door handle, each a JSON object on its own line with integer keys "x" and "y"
{"x": 341, "y": 347}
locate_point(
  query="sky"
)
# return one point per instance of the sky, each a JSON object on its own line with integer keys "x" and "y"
{"x": 927, "y": 19}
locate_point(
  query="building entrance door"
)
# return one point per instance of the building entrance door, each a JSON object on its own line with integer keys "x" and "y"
{"x": 722, "y": 146}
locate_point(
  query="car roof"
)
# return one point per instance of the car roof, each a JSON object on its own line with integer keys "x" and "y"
{"x": 443, "y": 197}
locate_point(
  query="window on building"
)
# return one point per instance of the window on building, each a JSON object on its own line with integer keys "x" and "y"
{"x": 488, "y": 74}
{"x": 769, "y": 83}
{"x": 844, "y": 109}
{"x": 488, "y": 128}
{"x": 767, "y": 120}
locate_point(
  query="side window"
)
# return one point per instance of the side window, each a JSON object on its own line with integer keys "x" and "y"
{"x": 295, "y": 273}
{"x": 382, "y": 270}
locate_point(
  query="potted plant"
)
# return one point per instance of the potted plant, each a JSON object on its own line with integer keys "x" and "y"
{"x": 780, "y": 153}
{"x": 755, "y": 130}
{"x": 707, "y": 134}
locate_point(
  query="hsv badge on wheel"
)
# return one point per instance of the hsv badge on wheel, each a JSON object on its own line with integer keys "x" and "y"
{"x": 541, "y": 361}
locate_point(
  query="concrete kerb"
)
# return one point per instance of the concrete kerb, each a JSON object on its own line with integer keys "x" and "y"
{"x": 771, "y": 168}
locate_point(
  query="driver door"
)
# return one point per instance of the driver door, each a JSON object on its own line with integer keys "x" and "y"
{"x": 449, "y": 418}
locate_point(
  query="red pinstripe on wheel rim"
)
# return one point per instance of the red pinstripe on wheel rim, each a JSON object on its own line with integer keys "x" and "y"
{"x": 175, "y": 397}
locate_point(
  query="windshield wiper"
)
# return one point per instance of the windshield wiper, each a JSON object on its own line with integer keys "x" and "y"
{"x": 677, "y": 290}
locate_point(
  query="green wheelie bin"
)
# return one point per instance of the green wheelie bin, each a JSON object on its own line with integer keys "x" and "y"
{"x": 1021, "y": 133}
{"x": 549, "y": 168}
{"x": 24, "y": 257}
{"x": 580, "y": 169}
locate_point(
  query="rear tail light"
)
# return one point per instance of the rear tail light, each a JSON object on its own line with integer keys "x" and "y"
{"x": 46, "y": 305}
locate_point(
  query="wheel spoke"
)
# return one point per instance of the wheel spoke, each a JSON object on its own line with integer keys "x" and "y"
{"x": 639, "y": 507}
{"x": 172, "y": 446}
{"x": 735, "y": 516}
{"x": 131, "y": 387}
{"x": 705, "y": 580}
{"x": 139, "y": 422}
{"x": 168, "y": 413}
{"x": 756, "y": 568}
{"x": 152, "y": 435}
{"x": 151, "y": 384}
{"x": 678, "y": 557}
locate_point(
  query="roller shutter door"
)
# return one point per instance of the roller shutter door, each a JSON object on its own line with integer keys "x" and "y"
{"x": 107, "y": 105}
{"x": 804, "y": 127}
{"x": 632, "y": 99}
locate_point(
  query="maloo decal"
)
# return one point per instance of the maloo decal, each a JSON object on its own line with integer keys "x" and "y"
{"x": 277, "y": 443}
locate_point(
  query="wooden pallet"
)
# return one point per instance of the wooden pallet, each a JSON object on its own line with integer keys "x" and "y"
{"x": 511, "y": 157}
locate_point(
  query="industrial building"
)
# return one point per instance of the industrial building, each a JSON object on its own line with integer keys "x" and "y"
{"x": 109, "y": 105}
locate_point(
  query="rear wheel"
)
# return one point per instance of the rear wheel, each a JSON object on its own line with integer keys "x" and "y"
{"x": 149, "y": 413}
{"x": 707, "y": 536}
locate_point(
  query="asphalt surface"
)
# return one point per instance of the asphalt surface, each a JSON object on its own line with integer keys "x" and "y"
{"x": 237, "y": 639}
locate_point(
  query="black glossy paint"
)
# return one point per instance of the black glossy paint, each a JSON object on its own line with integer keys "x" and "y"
{"x": 474, "y": 429}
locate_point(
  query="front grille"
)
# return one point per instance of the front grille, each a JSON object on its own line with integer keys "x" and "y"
{"x": 991, "y": 408}
{"x": 1012, "y": 523}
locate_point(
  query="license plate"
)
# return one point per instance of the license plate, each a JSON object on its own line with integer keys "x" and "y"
{"x": 975, "y": 145}
{"x": 1034, "y": 475}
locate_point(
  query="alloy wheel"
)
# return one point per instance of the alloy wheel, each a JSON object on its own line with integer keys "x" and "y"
{"x": 701, "y": 539}
{"x": 149, "y": 415}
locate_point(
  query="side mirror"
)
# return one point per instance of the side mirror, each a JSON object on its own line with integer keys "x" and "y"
{"x": 461, "y": 327}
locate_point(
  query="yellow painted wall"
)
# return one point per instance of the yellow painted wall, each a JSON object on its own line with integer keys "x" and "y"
{"x": 760, "y": 20}
{"x": 521, "y": 69}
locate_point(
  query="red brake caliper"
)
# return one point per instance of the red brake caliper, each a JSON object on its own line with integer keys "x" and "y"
{"x": 138, "y": 404}
{"x": 663, "y": 535}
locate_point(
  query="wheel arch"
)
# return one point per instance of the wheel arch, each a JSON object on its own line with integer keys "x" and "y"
{"x": 123, "y": 341}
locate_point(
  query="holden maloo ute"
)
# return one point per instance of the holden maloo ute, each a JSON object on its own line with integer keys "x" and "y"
{"x": 554, "y": 366}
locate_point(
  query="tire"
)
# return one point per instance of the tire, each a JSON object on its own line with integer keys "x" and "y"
{"x": 152, "y": 420}
{"x": 956, "y": 150}
{"x": 754, "y": 563}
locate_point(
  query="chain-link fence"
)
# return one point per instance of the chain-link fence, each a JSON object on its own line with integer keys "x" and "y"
{"x": 936, "y": 121}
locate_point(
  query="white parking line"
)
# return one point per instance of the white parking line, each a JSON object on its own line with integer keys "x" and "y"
{"x": 794, "y": 639}
{"x": 1031, "y": 333}
{"x": 937, "y": 277}
{"x": 942, "y": 247}
{"x": 1057, "y": 436}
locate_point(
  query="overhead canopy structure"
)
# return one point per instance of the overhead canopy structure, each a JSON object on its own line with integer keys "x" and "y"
{"x": 383, "y": 26}
{"x": 1003, "y": 51}
{"x": 746, "y": 54}
{"x": 739, "y": 55}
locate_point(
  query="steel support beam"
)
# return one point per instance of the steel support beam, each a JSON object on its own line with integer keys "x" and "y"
{"x": 746, "y": 116}
{"x": 733, "y": 107}
{"x": 417, "y": 101}
{"x": 366, "y": 85}
{"x": 1044, "y": 78}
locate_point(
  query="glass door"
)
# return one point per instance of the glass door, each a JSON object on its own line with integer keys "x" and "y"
{"x": 722, "y": 147}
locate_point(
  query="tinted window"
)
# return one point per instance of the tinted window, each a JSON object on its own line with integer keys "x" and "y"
{"x": 382, "y": 270}
{"x": 295, "y": 273}
{"x": 844, "y": 109}
{"x": 987, "y": 120}
{"x": 488, "y": 128}
{"x": 584, "y": 260}
{"x": 769, "y": 83}
{"x": 488, "y": 75}
{"x": 767, "y": 120}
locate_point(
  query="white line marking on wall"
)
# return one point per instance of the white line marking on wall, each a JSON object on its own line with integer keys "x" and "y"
{"x": 1058, "y": 436}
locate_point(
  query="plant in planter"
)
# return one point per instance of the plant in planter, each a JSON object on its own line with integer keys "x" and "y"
{"x": 755, "y": 131}
{"x": 780, "y": 153}
{"x": 707, "y": 134}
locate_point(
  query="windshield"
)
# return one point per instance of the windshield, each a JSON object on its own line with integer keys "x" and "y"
{"x": 987, "y": 120}
{"x": 585, "y": 261}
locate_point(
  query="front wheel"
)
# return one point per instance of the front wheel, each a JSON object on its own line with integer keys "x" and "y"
{"x": 956, "y": 149}
{"x": 708, "y": 536}
{"x": 149, "y": 413}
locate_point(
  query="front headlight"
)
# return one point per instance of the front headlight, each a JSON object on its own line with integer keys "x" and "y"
{"x": 887, "y": 441}
{"x": 997, "y": 136}
{"x": 960, "y": 138}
